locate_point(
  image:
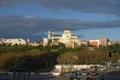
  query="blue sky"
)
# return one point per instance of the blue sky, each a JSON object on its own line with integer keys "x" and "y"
{"x": 89, "y": 19}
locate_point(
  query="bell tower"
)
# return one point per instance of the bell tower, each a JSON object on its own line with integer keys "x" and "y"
{"x": 50, "y": 33}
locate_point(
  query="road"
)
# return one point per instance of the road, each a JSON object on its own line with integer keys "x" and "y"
{"x": 107, "y": 74}
{"x": 111, "y": 74}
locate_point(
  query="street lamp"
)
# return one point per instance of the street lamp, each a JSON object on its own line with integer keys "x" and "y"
{"x": 118, "y": 63}
{"x": 109, "y": 55}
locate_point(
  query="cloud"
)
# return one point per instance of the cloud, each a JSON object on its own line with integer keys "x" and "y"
{"x": 89, "y": 6}
{"x": 7, "y": 3}
{"x": 100, "y": 6}
{"x": 37, "y": 27}
{"x": 25, "y": 23}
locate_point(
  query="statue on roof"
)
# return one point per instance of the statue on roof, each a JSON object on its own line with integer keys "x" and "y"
{"x": 67, "y": 28}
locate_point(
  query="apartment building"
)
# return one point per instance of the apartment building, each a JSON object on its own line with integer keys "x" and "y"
{"x": 99, "y": 42}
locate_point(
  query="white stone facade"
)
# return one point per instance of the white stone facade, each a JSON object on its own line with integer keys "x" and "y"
{"x": 68, "y": 68}
{"x": 66, "y": 38}
{"x": 18, "y": 41}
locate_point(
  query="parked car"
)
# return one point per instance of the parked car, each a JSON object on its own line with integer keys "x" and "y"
{"x": 90, "y": 78}
{"x": 93, "y": 73}
{"x": 76, "y": 72}
{"x": 84, "y": 73}
{"x": 75, "y": 78}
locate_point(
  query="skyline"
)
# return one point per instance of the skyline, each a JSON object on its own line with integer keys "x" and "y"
{"x": 88, "y": 19}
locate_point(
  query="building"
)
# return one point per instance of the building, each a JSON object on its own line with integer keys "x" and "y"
{"x": 68, "y": 68}
{"x": 95, "y": 43}
{"x": 99, "y": 42}
{"x": 104, "y": 41}
{"x": 115, "y": 42}
{"x": 84, "y": 43}
{"x": 18, "y": 41}
{"x": 67, "y": 38}
{"x": 45, "y": 41}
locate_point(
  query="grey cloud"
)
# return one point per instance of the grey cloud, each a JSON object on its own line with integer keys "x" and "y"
{"x": 7, "y": 3}
{"x": 98, "y": 6}
{"x": 36, "y": 27}
{"x": 92, "y": 6}
{"x": 109, "y": 6}
{"x": 22, "y": 23}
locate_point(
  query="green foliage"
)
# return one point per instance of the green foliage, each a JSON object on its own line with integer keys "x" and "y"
{"x": 37, "y": 58}
{"x": 15, "y": 48}
{"x": 30, "y": 61}
{"x": 87, "y": 56}
{"x": 114, "y": 48}
{"x": 11, "y": 63}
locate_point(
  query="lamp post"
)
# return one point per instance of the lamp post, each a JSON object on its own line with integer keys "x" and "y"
{"x": 118, "y": 63}
{"x": 109, "y": 55}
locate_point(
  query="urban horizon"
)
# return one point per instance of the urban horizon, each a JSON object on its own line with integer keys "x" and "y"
{"x": 87, "y": 19}
{"x": 56, "y": 33}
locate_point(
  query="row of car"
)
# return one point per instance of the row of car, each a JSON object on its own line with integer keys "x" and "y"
{"x": 84, "y": 72}
{"x": 78, "y": 72}
{"x": 78, "y": 78}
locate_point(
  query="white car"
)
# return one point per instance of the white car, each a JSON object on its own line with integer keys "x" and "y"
{"x": 84, "y": 73}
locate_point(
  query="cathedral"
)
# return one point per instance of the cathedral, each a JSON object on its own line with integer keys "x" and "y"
{"x": 67, "y": 38}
